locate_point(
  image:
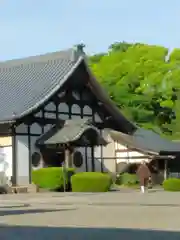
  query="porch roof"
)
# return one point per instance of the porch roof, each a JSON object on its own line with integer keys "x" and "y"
{"x": 77, "y": 132}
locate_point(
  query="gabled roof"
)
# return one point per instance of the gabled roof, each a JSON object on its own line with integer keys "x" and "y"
{"x": 25, "y": 84}
{"x": 130, "y": 141}
{"x": 146, "y": 141}
{"x": 73, "y": 131}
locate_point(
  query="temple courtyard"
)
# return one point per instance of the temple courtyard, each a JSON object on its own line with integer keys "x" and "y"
{"x": 126, "y": 214}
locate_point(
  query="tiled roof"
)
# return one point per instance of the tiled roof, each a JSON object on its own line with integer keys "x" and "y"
{"x": 71, "y": 132}
{"x": 154, "y": 142}
{"x": 147, "y": 141}
{"x": 27, "y": 83}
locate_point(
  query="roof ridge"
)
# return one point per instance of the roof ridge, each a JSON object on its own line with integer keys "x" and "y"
{"x": 69, "y": 54}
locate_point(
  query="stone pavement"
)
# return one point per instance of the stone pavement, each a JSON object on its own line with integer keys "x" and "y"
{"x": 116, "y": 215}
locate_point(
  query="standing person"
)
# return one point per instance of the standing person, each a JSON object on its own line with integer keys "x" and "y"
{"x": 144, "y": 174}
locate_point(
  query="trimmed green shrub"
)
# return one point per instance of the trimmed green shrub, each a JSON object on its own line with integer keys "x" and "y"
{"x": 91, "y": 182}
{"x": 52, "y": 178}
{"x": 127, "y": 179}
{"x": 171, "y": 184}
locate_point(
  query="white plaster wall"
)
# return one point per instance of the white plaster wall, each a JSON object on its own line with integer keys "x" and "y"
{"x": 97, "y": 158}
{"x": 36, "y": 129}
{"x": 87, "y": 110}
{"x": 6, "y": 161}
{"x": 89, "y": 162}
{"x": 22, "y": 152}
{"x": 5, "y": 141}
{"x": 97, "y": 118}
{"x": 35, "y": 149}
{"x": 76, "y": 109}
{"x": 128, "y": 154}
{"x": 22, "y": 128}
{"x": 109, "y": 156}
{"x": 63, "y": 107}
{"x": 50, "y": 115}
{"x": 22, "y": 156}
{"x": 50, "y": 107}
{"x": 83, "y": 167}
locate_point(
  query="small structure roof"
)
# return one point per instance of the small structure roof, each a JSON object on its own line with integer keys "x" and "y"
{"x": 146, "y": 141}
{"x": 78, "y": 132}
{"x": 153, "y": 141}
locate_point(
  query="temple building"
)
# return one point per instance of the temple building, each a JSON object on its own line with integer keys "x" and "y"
{"x": 52, "y": 103}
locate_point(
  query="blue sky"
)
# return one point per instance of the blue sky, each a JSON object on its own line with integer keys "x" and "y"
{"x": 30, "y": 27}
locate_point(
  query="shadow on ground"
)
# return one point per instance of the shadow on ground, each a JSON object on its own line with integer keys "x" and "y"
{"x": 69, "y": 233}
{"x": 31, "y": 211}
{"x": 115, "y": 204}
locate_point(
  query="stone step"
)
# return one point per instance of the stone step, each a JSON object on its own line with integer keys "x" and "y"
{"x": 31, "y": 188}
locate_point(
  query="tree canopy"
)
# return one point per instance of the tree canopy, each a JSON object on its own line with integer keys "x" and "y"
{"x": 144, "y": 82}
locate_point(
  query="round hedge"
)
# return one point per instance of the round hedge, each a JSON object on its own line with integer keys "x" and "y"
{"x": 171, "y": 184}
{"x": 51, "y": 177}
{"x": 91, "y": 182}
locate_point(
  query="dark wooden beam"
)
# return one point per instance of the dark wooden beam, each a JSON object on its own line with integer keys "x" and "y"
{"x": 5, "y": 129}
{"x": 41, "y": 121}
{"x": 14, "y": 157}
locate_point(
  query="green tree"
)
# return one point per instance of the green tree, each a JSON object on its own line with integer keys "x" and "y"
{"x": 96, "y": 58}
{"x": 174, "y": 127}
{"x": 141, "y": 82}
{"x": 119, "y": 46}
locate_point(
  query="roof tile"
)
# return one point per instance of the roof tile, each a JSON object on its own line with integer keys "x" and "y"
{"x": 25, "y": 83}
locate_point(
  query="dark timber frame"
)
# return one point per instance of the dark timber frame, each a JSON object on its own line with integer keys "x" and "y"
{"x": 93, "y": 103}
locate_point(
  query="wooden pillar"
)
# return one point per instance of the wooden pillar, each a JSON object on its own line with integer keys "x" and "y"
{"x": 68, "y": 157}
{"x": 71, "y": 154}
{"x": 165, "y": 168}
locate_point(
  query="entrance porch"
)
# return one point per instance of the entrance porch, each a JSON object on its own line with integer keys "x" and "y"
{"x": 64, "y": 139}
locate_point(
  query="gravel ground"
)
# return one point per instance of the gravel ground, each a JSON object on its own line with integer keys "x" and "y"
{"x": 130, "y": 215}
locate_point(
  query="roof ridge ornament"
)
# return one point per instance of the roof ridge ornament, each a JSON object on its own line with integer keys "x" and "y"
{"x": 78, "y": 51}
{"x": 13, "y": 114}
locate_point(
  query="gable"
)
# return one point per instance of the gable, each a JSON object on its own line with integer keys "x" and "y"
{"x": 94, "y": 95}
